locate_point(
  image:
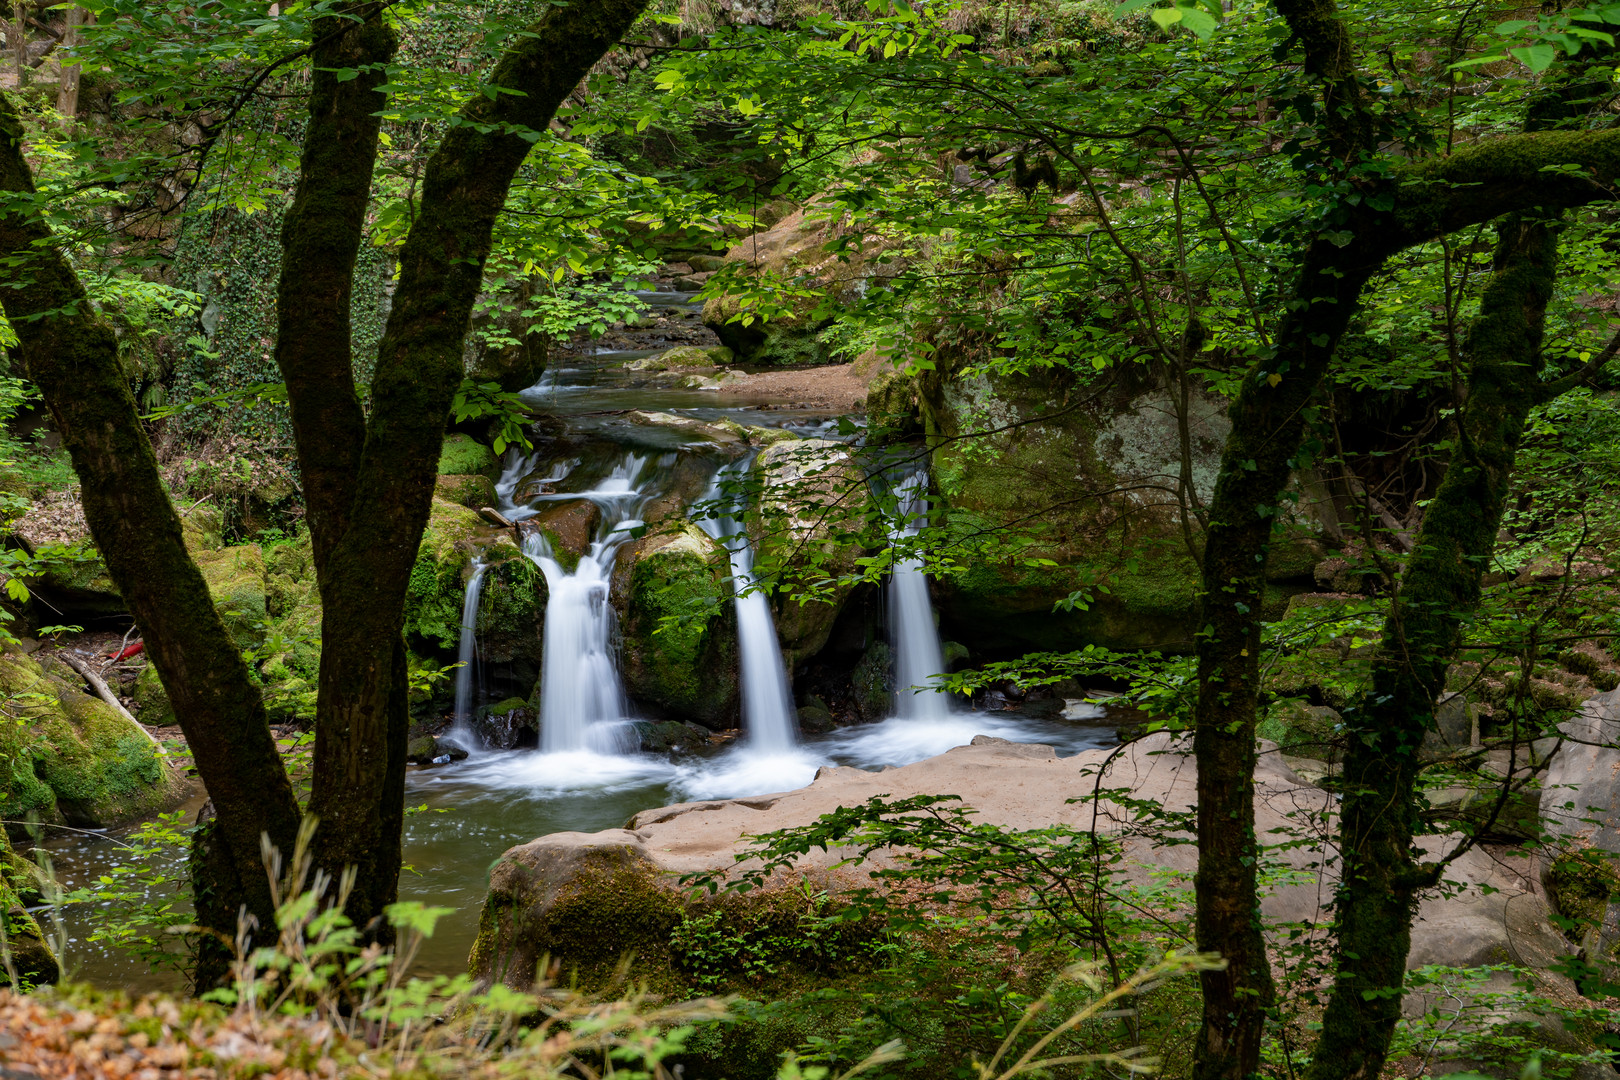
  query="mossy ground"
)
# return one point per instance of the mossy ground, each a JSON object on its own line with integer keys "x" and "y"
{"x": 465, "y": 456}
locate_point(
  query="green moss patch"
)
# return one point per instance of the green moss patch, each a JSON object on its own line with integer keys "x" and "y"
{"x": 465, "y": 456}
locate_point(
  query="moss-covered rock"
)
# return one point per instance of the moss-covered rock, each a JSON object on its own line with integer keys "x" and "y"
{"x": 465, "y": 456}
{"x": 872, "y": 682}
{"x": 236, "y": 580}
{"x": 67, "y": 756}
{"x": 686, "y": 356}
{"x": 30, "y": 956}
{"x": 512, "y": 624}
{"x": 807, "y": 529}
{"x": 680, "y": 639}
{"x": 471, "y": 491}
{"x": 151, "y": 701}
{"x": 439, "y": 577}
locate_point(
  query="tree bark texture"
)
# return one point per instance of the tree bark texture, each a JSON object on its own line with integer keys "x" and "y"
{"x": 1379, "y": 871}
{"x": 357, "y": 788}
{"x": 72, "y": 353}
{"x": 1397, "y": 205}
{"x": 320, "y": 239}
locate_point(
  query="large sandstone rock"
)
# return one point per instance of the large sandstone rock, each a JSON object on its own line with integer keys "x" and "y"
{"x": 1090, "y": 475}
{"x": 1580, "y": 797}
{"x": 596, "y": 895}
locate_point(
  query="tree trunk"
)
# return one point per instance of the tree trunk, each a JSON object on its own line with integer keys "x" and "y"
{"x": 72, "y": 353}
{"x": 67, "y": 94}
{"x": 1380, "y": 873}
{"x": 361, "y": 713}
{"x": 1268, "y": 425}
{"x": 1440, "y": 587}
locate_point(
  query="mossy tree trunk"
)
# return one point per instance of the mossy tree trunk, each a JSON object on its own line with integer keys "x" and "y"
{"x": 373, "y": 482}
{"x": 376, "y": 492}
{"x": 72, "y": 353}
{"x": 1380, "y": 874}
{"x": 1393, "y": 205}
{"x": 1381, "y": 871}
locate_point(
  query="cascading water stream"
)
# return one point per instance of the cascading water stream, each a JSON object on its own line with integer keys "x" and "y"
{"x": 583, "y": 706}
{"x": 767, "y": 706}
{"x": 918, "y": 657}
{"x": 467, "y": 654}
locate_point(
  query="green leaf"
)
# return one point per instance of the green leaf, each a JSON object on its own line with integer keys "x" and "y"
{"x": 1537, "y": 58}
{"x": 1167, "y": 17}
{"x": 1199, "y": 21}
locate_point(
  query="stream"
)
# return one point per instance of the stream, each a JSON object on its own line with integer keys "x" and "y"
{"x": 465, "y": 815}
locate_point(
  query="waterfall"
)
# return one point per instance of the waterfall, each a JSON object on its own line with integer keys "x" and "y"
{"x": 583, "y": 706}
{"x": 768, "y": 714}
{"x": 461, "y": 725}
{"x": 913, "y": 635}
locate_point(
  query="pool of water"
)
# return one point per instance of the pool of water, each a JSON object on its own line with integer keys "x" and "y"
{"x": 466, "y": 815}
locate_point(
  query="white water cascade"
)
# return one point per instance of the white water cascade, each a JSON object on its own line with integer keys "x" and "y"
{"x": 461, "y": 726}
{"x": 918, "y": 658}
{"x": 769, "y": 718}
{"x": 583, "y": 706}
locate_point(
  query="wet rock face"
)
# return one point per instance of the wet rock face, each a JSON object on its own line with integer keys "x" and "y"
{"x": 807, "y": 529}
{"x": 679, "y": 648}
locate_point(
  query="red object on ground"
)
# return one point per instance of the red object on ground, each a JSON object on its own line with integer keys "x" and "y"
{"x": 134, "y": 650}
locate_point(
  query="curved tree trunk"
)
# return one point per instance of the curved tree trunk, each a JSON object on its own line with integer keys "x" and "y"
{"x": 72, "y": 353}
{"x": 358, "y": 786}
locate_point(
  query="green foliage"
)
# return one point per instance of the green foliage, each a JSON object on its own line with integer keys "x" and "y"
{"x": 478, "y": 401}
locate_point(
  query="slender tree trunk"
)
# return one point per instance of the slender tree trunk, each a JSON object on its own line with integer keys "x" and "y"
{"x": 72, "y": 353}
{"x": 67, "y": 94}
{"x": 1380, "y": 872}
{"x": 320, "y": 239}
{"x": 1440, "y": 587}
{"x": 360, "y": 729}
{"x": 1268, "y": 425}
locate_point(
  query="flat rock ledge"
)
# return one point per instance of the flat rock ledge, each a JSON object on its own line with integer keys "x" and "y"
{"x": 588, "y": 898}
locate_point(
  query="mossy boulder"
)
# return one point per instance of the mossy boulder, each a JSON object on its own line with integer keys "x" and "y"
{"x": 465, "y": 456}
{"x": 31, "y": 956}
{"x": 680, "y": 638}
{"x": 439, "y": 577}
{"x": 873, "y": 682}
{"x": 1081, "y": 486}
{"x": 807, "y": 532}
{"x": 512, "y": 624}
{"x": 686, "y": 356}
{"x": 291, "y": 672}
{"x": 236, "y": 580}
{"x": 67, "y": 756}
{"x": 471, "y": 491}
{"x": 151, "y": 701}
{"x": 1091, "y": 492}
